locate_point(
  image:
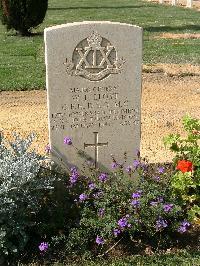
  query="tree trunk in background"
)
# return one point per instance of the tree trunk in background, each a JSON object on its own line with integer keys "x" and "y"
{"x": 5, "y": 6}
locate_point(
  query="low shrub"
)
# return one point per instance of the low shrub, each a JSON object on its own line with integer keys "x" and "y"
{"x": 186, "y": 180}
{"x": 23, "y": 15}
{"x": 24, "y": 184}
{"x": 124, "y": 207}
{"x": 139, "y": 204}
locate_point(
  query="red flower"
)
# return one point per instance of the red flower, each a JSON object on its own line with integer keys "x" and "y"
{"x": 184, "y": 166}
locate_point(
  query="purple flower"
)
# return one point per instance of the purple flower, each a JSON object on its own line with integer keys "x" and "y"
{"x": 83, "y": 197}
{"x": 43, "y": 246}
{"x": 116, "y": 232}
{"x": 136, "y": 194}
{"x": 48, "y": 148}
{"x": 136, "y": 163}
{"x": 123, "y": 222}
{"x": 160, "y": 224}
{"x": 161, "y": 170}
{"x": 168, "y": 207}
{"x": 73, "y": 169}
{"x": 183, "y": 227}
{"x": 128, "y": 169}
{"x": 185, "y": 223}
{"x": 91, "y": 186}
{"x": 114, "y": 165}
{"x": 67, "y": 140}
{"x": 153, "y": 203}
{"x": 103, "y": 177}
{"x": 99, "y": 240}
{"x": 74, "y": 175}
{"x": 101, "y": 212}
{"x": 73, "y": 179}
{"x": 135, "y": 203}
{"x": 160, "y": 199}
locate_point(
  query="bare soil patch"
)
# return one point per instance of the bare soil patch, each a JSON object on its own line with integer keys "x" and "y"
{"x": 181, "y": 3}
{"x": 165, "y": 100}
{"x": 177, "y": 36}
{"x": 173, "y": 69}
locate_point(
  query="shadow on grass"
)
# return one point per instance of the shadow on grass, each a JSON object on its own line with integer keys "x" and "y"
{"x": 172, "y": 28}
{"x": 31, "y": 34}
{"x": 41, "y": 33}
{"x": 93, "y": 7}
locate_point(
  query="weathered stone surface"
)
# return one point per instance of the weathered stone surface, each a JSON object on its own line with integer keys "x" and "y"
{"x": 94, "y": 90}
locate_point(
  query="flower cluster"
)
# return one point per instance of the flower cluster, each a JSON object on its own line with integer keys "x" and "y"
{"x": 83, "y": 197}
{"x": 67, "y": 141}
{"x": 116, "y": 232}
{"x": 137, "y": 194}
{"x": 161, "y": 224}
{"x": 43, "y": 247}
{"x": 122, "y": 223}
{"x": 135, "y": 199}
{"x": 184, "y": 166}
{"x": 168, "y": 207}
{"x": 129, "y": 169}
{"x": 91, "y": 185}
{"x": 136, "y": 163}
{"x": 114, "y": 165}
{"x": 183, "y": 227}
{"x": 99, "y": 240}
{"x": 74, "y": 175}
{"x": 160, "y": 171}
{"x": 103, "y": 177}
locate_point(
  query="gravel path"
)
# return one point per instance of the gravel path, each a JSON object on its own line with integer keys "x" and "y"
{"x": 165, "y": 100}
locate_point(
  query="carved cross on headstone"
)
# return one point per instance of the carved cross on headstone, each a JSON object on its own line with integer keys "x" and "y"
{"x": 96, "y": 145}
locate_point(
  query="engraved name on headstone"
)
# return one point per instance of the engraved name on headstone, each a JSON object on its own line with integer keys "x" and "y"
{"x": 94, "y": 90}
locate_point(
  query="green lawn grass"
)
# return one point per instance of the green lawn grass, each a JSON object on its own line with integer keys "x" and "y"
{"x": 22, "y": 58}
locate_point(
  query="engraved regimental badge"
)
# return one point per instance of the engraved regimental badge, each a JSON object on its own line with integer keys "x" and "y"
{"x": 94, "y": 58}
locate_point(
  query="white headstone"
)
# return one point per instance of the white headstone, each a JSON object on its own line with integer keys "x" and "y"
{"x": 94, "y": 91}
{"x": 189, "y": 3}
{"x": 174, "y": 2}
{"x": 161, "y": 1}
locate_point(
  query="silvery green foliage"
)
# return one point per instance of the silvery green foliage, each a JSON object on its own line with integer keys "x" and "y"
{"x": 22, "y": 187}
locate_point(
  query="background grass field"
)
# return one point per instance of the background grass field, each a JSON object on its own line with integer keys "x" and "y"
{"x": 22, "y": 58}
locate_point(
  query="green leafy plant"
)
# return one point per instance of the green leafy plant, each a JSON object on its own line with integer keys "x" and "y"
{"x": 23, "y": 15}
{"x": 186, "y": 180}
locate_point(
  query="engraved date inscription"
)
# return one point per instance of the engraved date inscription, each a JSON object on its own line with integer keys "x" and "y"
{"x": 96, "y": 106}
